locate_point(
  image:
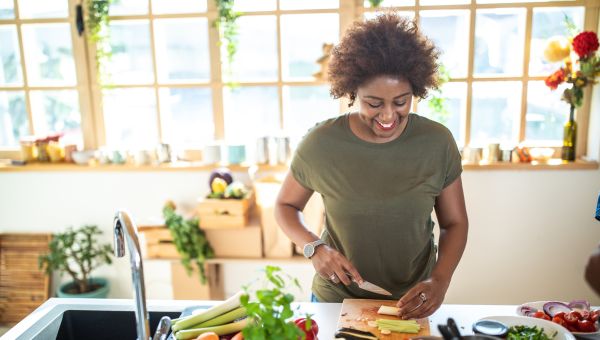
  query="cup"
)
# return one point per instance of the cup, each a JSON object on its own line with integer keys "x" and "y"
{"x": 493, "y": 154}
{"x": 212, "y": 154}
{"x": 236, "y": 154}
{"x": 473, "y": 155}
{"x": 262, "y": 150}
{"x": 284, "y": 151}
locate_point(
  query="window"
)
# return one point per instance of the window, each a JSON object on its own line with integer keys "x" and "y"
{"x": 170, "y": 80}
{"x": 41, "y": 86}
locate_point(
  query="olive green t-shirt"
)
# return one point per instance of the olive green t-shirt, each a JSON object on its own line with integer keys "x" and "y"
{"x": 378, "y": 200}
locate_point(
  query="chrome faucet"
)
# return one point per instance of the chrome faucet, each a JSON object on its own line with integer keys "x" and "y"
{"x": 125, "y": 229}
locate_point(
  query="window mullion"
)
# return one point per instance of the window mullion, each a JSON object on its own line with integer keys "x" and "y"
{"x": 470, "y": 68}
{"x": 23, "y": 68}
{"x": 155, "y": 71}
{"x": 215, "y": 71}
{"x": 279, "y": 67}
{"x": 525, "y": 84}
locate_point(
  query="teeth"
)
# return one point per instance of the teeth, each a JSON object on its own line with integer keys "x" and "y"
{"x": 386, "y": 125}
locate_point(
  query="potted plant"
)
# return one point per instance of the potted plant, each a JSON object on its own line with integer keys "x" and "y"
{"x": 77, "y": 252}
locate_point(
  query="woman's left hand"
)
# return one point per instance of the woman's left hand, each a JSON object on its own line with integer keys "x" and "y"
{"x": 423, "y": 299}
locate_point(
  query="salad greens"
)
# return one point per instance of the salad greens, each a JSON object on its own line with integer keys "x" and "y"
{"x": 527, "y": 333}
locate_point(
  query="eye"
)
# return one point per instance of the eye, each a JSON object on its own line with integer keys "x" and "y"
{"x": 374, "y": 105}
{"x": 400, "y": 104}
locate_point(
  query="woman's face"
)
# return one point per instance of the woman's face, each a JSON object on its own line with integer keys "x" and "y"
{"x": 384, "y": 105}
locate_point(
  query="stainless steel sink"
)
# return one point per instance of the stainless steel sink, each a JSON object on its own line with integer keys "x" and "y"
{"x": 90, "y": 319}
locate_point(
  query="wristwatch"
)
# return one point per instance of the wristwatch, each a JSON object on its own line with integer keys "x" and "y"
{"x": 309, "y": 248}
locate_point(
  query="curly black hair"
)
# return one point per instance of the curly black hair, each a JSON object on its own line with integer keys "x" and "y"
{"x": 386, "y": 45}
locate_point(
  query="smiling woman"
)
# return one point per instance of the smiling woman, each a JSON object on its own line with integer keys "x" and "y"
{"x": 381, "y": 171}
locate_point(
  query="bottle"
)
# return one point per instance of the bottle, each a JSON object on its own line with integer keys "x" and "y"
{"x": 569, "y": 137}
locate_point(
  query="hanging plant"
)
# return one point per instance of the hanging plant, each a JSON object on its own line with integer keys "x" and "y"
{"x": 437, "y": 102}
{"x": 228, "y": 28}
{"x": 375, "y": 3}
{"x": 98, "y": 33}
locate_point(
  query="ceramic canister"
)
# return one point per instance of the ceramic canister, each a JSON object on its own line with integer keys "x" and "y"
{"x": 236, "y": 154}
{"x": 212, "y": 154}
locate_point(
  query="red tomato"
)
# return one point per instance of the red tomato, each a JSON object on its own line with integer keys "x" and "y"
{"x": 572, "y": 318}
{"x": 559, "y": 315}
{"x": 559, "y": 320}
{"x": 541, "y": 315}
{"x": 594, "y": 316}
{"x": 585, "y": 314}
{"x": 311, "y": 333}
{"x": 586, "y": 326}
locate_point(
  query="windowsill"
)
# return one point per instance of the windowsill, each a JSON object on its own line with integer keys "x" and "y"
{"x": 554, "y": 164}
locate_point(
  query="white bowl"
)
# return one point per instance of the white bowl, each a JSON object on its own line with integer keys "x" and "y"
{"x": 548, "y": 326}
{"x": 83, "y": 157}
{"x": 539, "y": 305}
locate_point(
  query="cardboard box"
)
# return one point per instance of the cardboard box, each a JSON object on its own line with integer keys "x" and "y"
{"x": 225, "y": 213}
{"x": 186, "y": 287}
{"x": 236, "y": 243}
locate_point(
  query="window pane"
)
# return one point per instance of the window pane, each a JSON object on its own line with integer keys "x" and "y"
{"x": 256, "y": 56}
{"x": 407, "y": 14}
{"x": 548, "y": 23}
{"x": 546, "y": 113}
{"x": 308, "y": 4}
{"x": 36, "y": 9}
{"x": 304, "y": 106}
{"x": 507, "y": 1}
{"x": 499, "y": 39}
{"x": 49, "y": 54}
{"x": 13, "y": 118}
{"x": 181, "y": 56}
{"x": 253, "y": 5}
{"x": 10, "y": 59}
{"x": 7, "y": 9}
{"x": 128, "y": 7}
{"x": 495, "y": 115}
{"x": 187, "y": 117}
{"x": 130, "y": 118}
{"x": 131, "y": 60}
{"x": 57, "y": 111}
{"x": 453, "y": 40}
{"x": 178, "y": 6}
{"x": 302, "y": 44}
{"x": 250, "y": 112}
{"x": 455, "y": 105}
{"x": 388, "y": 3}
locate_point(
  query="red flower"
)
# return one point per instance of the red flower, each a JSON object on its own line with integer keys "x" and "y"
{"x": 585, "y": 43}
{"x": 555, "y": 79}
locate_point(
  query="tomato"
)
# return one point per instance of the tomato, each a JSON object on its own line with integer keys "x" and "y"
{"x": 585, "y": 314}
{"x": 311, "y": 333}
{"x": 541, "y": 315}
{"x": 559, "y": 320}
{"x": 586, "y": 326}
{"x": 559, "y": 315}
{"x": 572, "y": 318}
{"x": 594, "y": 315}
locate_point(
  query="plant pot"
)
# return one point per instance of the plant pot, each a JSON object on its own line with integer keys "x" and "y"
{"x": 99, "y": 293}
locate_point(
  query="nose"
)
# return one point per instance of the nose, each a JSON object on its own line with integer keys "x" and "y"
{"x": 387, "y": 113}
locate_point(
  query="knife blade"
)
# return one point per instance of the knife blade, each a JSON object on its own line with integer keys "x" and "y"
{"x": 370, "y": 287}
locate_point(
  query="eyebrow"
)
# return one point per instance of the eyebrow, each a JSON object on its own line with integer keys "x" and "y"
{"x": 398, "y": 96}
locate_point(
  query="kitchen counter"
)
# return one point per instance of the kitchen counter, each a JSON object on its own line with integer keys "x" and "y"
{"x": 326, "y": 314}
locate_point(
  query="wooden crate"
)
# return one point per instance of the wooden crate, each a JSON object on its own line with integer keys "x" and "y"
{"x": 225, "y": 213}
{"x": 23, "y": 286}
{"x": 159, "y": 243}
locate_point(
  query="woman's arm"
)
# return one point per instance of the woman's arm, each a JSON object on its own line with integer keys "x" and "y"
{"x": 290, "y": 202}
{"x": 452, "y": 218}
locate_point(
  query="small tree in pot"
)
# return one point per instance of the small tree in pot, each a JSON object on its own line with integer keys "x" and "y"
{"x": 78, "y": 253}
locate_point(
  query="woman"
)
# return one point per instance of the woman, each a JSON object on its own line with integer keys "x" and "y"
{"x": 380, "y": 171}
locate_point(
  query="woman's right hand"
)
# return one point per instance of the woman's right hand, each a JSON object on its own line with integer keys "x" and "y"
{"x": 331, "y": 265}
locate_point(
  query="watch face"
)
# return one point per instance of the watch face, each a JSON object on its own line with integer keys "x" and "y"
{"x": 308, "y": 250}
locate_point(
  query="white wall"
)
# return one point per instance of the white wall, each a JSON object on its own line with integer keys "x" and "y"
{"x": 531, "y": 231}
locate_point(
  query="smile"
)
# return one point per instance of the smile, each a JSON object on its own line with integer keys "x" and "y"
{"x": 386, "y": 126}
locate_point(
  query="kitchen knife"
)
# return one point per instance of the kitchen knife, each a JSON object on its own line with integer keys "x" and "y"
{"x": 370, "y": 287}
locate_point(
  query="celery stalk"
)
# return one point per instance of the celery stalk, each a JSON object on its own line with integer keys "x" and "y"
{"x": 229, "y": 328}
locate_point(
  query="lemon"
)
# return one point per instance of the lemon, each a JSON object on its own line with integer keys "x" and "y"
{"x": 218, "y": 185}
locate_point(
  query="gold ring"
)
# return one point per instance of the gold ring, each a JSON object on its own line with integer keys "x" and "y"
{"x": 423, "y": 297}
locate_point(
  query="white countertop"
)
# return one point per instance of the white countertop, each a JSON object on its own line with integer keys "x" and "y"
{"x": 326, "y": 314}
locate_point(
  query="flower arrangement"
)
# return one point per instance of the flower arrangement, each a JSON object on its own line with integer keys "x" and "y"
{"x": 579, "y": 72}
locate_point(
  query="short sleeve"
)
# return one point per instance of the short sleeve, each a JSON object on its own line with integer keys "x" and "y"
{"x": 301, "y": 170}
{"x": 453, "y": 163}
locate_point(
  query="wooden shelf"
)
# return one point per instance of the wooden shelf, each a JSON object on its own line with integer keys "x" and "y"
{"x": 554, "y": 164}
{"x": 276, "y": 261}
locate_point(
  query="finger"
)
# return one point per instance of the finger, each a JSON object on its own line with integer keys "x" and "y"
{"x": 341, "y": 274}
{"x": 349, "y": 268}
{"x": 410, "y": 308}
{"x": 409, "y": 296}
{"x": 421, "y": 312}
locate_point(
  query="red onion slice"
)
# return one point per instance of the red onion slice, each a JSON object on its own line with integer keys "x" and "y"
{"x": 527, "y": 310}
{"x": 553, "y": 307}
{"x": 580, "y": 304}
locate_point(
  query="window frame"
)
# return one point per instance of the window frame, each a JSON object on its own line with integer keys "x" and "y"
{"x": 90, "y": 91}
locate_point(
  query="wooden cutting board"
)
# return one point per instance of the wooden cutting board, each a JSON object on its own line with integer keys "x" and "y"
{"x": 357, "y": 312}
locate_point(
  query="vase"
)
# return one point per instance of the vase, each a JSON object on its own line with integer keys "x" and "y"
{"x": 101, "y": 292}
{"x": 569, "y": 137}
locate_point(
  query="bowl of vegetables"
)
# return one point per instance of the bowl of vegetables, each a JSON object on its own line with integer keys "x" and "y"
{"x": 577, "y": 316}
{"x": 523, "y": 327}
